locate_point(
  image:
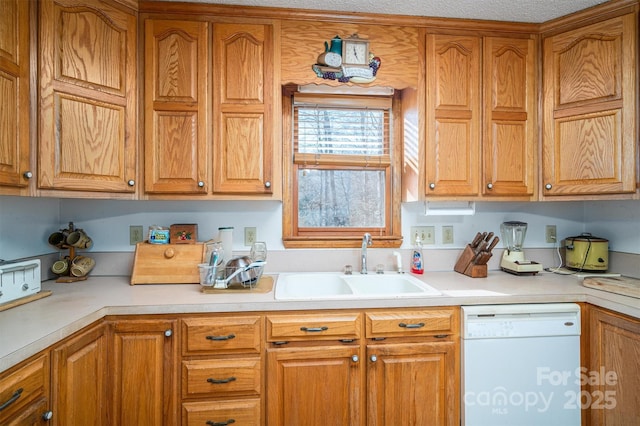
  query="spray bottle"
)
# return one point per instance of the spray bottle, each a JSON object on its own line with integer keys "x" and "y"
{"x": 417, "y": 264}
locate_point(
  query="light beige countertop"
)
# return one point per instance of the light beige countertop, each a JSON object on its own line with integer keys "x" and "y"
{"x": 27, "y": 329}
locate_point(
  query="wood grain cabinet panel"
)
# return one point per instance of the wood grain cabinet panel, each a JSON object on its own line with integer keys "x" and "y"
{"x": 590, "y": 109}
{"x": 413, "y": 384}
{"x": 15, "y": 68}
{"x": 243, "y": 114}
{"x": 481, "y": 135}
{"x": 613, "y": 367}
{"x": 314, "y": 386}
{"x": 88, "y": 97}
{"x": 144, "y": 362}
{"x": 79, "y": 379}
{"x": 453, "y": 115}
{"x": 24, "y": 392}
{"x": 176, "y": 84}
{"x": 510, "y": 140}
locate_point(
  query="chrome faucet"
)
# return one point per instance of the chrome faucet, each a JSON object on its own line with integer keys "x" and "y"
{"x": 366, "y": 241}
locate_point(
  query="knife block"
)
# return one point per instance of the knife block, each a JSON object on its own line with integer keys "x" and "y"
{"x": 466, "y": 264}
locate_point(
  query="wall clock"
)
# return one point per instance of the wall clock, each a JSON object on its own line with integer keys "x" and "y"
{"x": 355, "y": 51}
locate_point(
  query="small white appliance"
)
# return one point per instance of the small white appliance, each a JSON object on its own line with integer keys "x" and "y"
{"x": 19, "y": 279}
{"x": 521, "y": 365}
{"x": 513, "y": 260}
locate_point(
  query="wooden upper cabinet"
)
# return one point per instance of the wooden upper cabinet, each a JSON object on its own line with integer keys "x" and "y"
{"x": 590, "y": 108}
{"x": 243, "y": 118}
{"x": 87, "y": 96}
{"x": 510, "y": 139}
{"x": 175, "y": 106}
{"x": 453, "y": 115}
{"x": 14, "y": 90}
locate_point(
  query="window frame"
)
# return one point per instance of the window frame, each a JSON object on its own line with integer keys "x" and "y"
{"x": 295, "y": 237}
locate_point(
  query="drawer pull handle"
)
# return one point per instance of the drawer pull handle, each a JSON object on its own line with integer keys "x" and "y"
{"x": 418, "y": 325}
{"x": 221, "y": 381}
{"x": 314, "y": 329}
{"x": 11, "y": 400}
{"x": 228, "y": 422}
{"x": 218, "y": 338}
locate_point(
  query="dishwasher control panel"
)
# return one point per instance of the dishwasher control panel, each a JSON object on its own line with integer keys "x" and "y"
{"x": 530, "y": 320}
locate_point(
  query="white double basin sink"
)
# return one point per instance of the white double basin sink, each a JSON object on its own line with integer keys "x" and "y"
{"x": 330, "y": 285}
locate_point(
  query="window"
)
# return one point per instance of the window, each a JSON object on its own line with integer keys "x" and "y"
{"x": 339, "y": 173}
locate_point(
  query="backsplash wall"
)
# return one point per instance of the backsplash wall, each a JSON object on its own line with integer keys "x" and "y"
{"x": 25, "y": 222}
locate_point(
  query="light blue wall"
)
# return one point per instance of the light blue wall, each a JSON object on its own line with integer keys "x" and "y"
{"x": 25, "y": 223}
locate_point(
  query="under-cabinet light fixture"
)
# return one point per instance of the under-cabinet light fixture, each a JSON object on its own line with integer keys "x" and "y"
{"x": 452, "y": 208}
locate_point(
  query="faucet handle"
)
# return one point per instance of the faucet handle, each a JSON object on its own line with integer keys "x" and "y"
{"x": 348, "y": 269}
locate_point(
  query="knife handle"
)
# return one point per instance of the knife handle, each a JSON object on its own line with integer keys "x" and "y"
{"x": 493, "y": 243}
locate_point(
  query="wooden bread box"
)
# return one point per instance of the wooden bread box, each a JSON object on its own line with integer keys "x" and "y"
{"x": 167, "y": 263}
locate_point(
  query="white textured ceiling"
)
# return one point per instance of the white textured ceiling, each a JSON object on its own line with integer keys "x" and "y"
{"x": 535, "y": 11}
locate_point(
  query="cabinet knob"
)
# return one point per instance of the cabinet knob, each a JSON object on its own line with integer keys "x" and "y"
{"x": 373, "y": 358}
{"x": 200, "y": 184}
{"x": 548, "y": 186}
{"x": 27, "y": 175}
{"x": 47, "y": 415}
{"x": 267, "y": 184}
{"x": 355, "y": 358}
{"x": 169, "y": 253}
{"x": 489, "y": 185}
{"x": 432, "y": 185}
{"x": 168, "y": 333}
{"x": 131, "y": 182}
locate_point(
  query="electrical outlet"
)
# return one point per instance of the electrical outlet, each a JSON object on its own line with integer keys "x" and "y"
{"x": 550, "y": 233}
{"x": 447, "y": 235}
{"x": 249, "y": 236}
{"x": 135, "y": 234}
{"x": 426, "y": 234}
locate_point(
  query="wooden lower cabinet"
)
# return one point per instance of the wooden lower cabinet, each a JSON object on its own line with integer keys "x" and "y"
{"x": 614, "y": 369}
{"x": 375, "y": 368}
{"x": 314, "y": 386}
{"x": 222, "y": 370}
{"x": 79, "y": 379}
{"x": 412, "y": 384}
{"x": 143, "y": 371}
{"x": 24, "y": 393}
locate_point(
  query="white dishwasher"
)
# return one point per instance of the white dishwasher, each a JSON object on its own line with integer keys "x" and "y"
{"x": 521, "y": 365}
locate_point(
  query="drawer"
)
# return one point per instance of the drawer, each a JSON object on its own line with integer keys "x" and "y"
{"x": 221, "y": 377}
{"x": 401, "y": 322}
{"x": 221, "y": 335}
{"x": 241, "y": 412}
{"x": 24, "y": 385}
{"x": 313, "y": 327}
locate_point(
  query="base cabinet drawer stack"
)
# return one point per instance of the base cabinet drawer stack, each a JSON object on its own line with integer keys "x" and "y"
{"x": 221, "y": 370}
{"x": 24, "y": 394}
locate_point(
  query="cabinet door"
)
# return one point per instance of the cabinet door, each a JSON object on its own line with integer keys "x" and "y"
{"x": 453, "y": 115}
{"x": 243, "y": 97}
{"x": 590, "y": 101}
{"x": 613, "y": 369}
{"x": 144, "y": 382}
{"x": 314, "y": 386}
{"x": 509, "y": 146}
{"x": 87, "y": 96}
{"x": 14, "y": 91}
{"x": 413, "y": 384}
{"x": 175, "y": 106}
{"x": 79, "y": 380}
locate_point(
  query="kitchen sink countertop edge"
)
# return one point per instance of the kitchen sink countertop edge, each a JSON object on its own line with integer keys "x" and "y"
{"x": 27, "y": 329}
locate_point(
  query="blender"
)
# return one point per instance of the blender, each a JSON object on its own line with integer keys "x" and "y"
{"x": 513, "y": 260}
